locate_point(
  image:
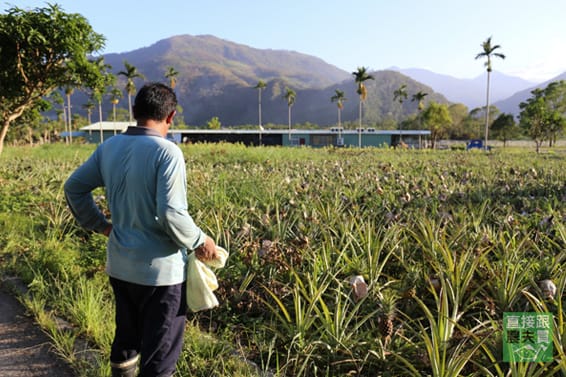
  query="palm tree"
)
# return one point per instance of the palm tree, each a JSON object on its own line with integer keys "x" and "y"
{"x": 171, "y": 75}
{"x": 57, "y": 99}
{"x": 115, "y": 95}
{"x": 96, "y": 95}
{"x": 88, "y": 106}
{"x": 69, "y": 89}
{"x": 339, "y": 97}
{"x": 130, "y": 73}
{"x": 488, "y": 52}
{"x": 400, "y": 95}
{"x": 99, "y": 86}
{"x": 290, "y": 96}
{"x": 260, "y": 86}
{"x": 360, "y": 76}
{"x": 72, "y": 83}
{"x": 418, "y": 97}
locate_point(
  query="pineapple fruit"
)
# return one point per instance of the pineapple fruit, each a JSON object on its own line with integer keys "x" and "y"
{"x": 386, "y": 316}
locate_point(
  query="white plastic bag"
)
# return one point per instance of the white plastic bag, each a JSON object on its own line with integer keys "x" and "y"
{"x": 201, "y": 281}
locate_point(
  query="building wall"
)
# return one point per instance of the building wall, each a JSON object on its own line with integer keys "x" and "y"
{"x": 246, "y": 139}
{"x": 94, "y": 136}
{"x": 368, "y": 139}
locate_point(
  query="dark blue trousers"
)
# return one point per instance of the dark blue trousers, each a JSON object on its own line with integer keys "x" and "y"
{"x": 150, "y": 322}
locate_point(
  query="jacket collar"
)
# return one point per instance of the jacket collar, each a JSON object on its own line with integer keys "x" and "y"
{"x": 141, "y": 131}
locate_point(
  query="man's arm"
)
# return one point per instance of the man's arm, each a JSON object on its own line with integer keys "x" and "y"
{"x": 78, "y": 193}
{"x": 171, "y": 196}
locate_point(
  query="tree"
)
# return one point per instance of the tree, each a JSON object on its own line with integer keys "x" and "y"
{"x": 261, "y": 85}
{"x": 69, "y": 89}
{"x": 290, "y": 96}
{"x": 419, "y": 97}
{"x": 400, "y": 95}
{"x": 555, "y": 98}
{"x": 459, "y": 114}
{"x": 56, "y": 100}
{"x": 98, "y": 85}
{"x": 542, "y": 115}
{"x": 487, "y": 52}
{"x": 40, "y": 50}
{"x": 339, "y": 97}
{"x": 504, "y": 128}
{"x": 29, "y": 127}
{"x": 534, "y": 117}
{"x": 476, "y": 120}
{"x": 88, "y": 106}
{"x": 171, "y": 74}
{"x": 437, "y": 119}
{"x": 360, "y": 76}
{"x": 130, "y": 74}
{"x": 214, "y": 124}
{"x": 115, "y": 95}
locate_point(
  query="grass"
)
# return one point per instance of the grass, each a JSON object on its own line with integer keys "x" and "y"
{"x": 299, "y": 223}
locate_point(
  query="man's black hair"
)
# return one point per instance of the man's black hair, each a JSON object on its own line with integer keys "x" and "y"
{"x": 154, "y": 101}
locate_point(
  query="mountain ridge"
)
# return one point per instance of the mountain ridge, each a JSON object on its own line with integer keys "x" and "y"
{"x": 217, "y": 78}
{"x": 471, "y": 92}
{"x": 511, "y": 104}
{"x": 190, "y": 54}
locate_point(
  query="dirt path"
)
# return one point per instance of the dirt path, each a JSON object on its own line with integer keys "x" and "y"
{"x": 25, "y": 350}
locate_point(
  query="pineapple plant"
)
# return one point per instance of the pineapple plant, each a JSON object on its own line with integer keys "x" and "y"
{"x": 386, "y": 314}
{"x": 409, "y": 282}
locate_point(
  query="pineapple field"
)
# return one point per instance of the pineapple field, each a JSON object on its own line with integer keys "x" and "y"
{"x": 343, "y": 262}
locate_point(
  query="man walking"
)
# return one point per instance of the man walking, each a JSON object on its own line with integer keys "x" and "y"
{"x": 144, "y": 176}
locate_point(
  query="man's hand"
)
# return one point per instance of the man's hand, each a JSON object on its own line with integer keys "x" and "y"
{"x": 107, "y": 231}
{"x": 206, "y": 251}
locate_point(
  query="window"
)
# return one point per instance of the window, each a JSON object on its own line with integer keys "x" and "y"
{"x": 322, "y": 140}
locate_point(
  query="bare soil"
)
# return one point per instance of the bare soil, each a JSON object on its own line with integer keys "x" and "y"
{"x": 25, "y": 351}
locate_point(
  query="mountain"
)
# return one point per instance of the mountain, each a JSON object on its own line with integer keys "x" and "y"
{"x": 217, "y": 78}
{"x": 511, "y": 105}
{"x": 206, "y": 64}
{"x": 470, "y": 92}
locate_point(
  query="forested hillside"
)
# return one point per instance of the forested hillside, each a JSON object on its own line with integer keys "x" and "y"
{"x": 217, "y": 78}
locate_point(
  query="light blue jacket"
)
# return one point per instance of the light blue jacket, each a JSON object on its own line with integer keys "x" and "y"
{"x": 144, "y": 176}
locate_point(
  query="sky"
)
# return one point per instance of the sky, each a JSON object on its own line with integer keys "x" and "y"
{"x": 443, "y": 36}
